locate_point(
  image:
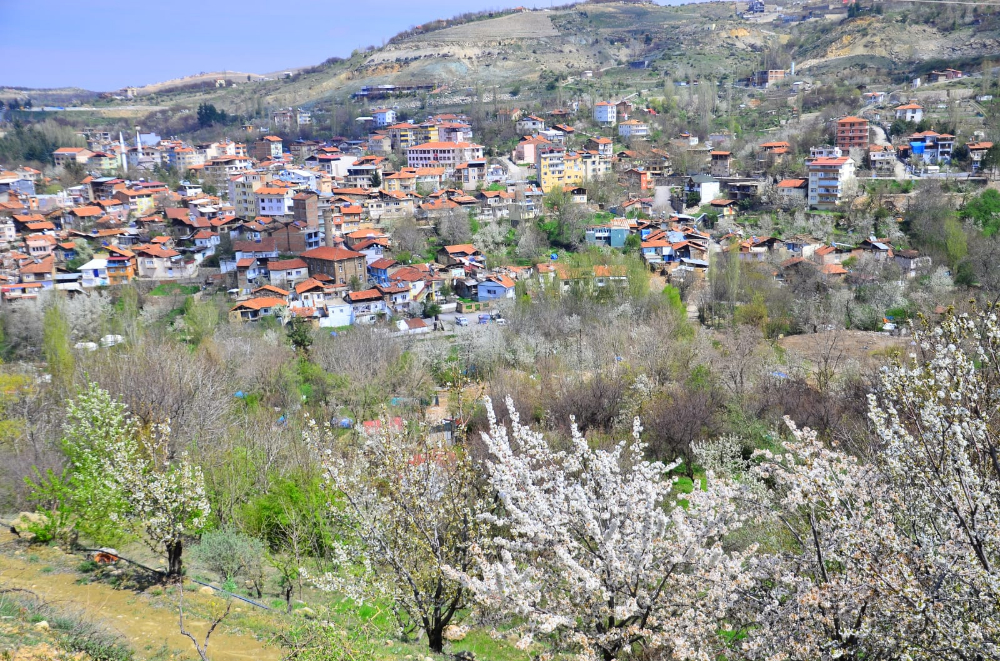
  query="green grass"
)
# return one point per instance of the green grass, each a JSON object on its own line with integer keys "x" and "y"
{"x": 174, "y": 289}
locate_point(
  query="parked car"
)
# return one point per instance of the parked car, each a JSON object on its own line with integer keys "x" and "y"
{"x": 461, "y": 321}
{"x": 501, "y": 321}
{"x": 484, "y": 318}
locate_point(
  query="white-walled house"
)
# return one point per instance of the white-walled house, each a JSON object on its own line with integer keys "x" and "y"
{"x": 605, "y": 113}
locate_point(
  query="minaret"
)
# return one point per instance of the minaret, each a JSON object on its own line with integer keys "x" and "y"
{"x": 124, "y": 152}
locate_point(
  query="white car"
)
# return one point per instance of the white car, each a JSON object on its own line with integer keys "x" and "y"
{"x": 461, "y": 321}
{"x": 501, "y": 322}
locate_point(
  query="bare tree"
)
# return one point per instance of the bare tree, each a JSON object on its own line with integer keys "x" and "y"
{"x": 202, "y": 649}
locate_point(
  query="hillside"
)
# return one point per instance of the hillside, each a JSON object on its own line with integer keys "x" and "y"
{"x": 534, "y": 52}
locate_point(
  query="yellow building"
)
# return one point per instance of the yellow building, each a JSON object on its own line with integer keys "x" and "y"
{"x": 557, "y": 168}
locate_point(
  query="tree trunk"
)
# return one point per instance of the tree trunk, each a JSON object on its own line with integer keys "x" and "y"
{"x": 435, "y": 639}
{"x": 174, "y": 550}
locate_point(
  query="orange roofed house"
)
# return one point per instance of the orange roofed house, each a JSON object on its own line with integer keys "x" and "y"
{"x": 339, "y": 263}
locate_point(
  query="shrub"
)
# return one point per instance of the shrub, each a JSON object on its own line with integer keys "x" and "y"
{"x": 230, "y": 554}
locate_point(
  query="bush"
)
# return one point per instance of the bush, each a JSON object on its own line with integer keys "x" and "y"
{"x": 230, "y": 554}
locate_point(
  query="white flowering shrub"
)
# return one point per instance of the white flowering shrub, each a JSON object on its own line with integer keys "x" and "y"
{"x": 597, "y": 556}
{"x": 407, "y": 506}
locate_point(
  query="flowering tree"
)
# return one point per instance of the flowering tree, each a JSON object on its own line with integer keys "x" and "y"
{"x": 597, "y": 556}
{"x": 895, "y": 557}
{"x": 123, "y": 472}
{"x": 409, "y": 507}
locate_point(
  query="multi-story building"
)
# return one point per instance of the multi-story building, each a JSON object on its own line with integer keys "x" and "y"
{"x": 852, "y": 132}
{"x": 977, "y": 151}
{"x": 766, "y": 78}
{"x": 932, "y": 147}
{"x": 828, "y": 180}
{"x": 241, "y": 192}
{"x": 445, "y": 154}
{"x": 383, "y": 117}
{"x": 633, "y": 128}
{"x": 721, "y": 163}
{"x": 274, "y": 200}
{"x": 555, "y": 167}
{"x": 605, "y": 113}
{"x": 65, "y": 155}
{"x": 338, "y": 263}
{"x": 268, "y": 147}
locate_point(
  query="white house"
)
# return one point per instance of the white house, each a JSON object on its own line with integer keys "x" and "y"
{"x": 910, "y": 112}
{"x": 605, "y": 113}
{"x": 633, "y": 128}
{"x": 384, "y": 117}
{"x": 274, "y": 201}
{"x": 95, "y": 273}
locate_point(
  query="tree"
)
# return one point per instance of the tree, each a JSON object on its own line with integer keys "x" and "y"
{"x": 376, "y": 179}
{"x": 163, "y": 500}
{"x": 208, "y": 115}
{"x": 984, "y": 211}
{"x": 894, "y": 557}
{"x": 633, "y": 243}
{"x": 597, "y": 555}
{"x": 402, "y": 533}
{"x": 455, "y": 227}
{"x": 299, "y": 332}
{"x": 56, "y": 347}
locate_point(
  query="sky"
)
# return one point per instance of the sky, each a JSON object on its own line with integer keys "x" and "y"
{"x": 104, "y": 45}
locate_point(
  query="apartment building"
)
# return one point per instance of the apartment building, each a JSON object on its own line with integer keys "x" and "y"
{"x": 829, "y": 178}
{"x": 444, "y": 154}
{"x": 852, "y": 132}
{"x": 241, "y": 192}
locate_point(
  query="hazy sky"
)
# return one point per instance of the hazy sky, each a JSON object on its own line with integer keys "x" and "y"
{"x": 108, "y": 44}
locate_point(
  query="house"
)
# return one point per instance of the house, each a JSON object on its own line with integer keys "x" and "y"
{"x": 852, "y": 132}
{"x": 873, "y": 98}
{"x": 465, "y": 253}
{"x": 932, "y": 147}
{"x": 495, "y": 287}
{"x": 378, "y": 271}
{"x": 39, "y": 271}
{"x": 633, "y": 128}
{"x": 95, "y": 273}
{"x": 707, "y": 187}
{"x": 121, "y": 266}
{"x": 287, "y": 272}
{"x": 258, "y": 308}
{"x": 615, "y": 275}
{"x": 530, "y": 124}
{"x": 605, "y": 113}
{"x": 911, "y": 263}
{"x": 340, "y": 264}
{"x": 910, "y": 112}
{"x": 66, "y": 155}
{"x": 829, "y": 179}
{"x": 261, "y": 248}
{"x": 603, "y": 146}
{"x": 367, "y": 306}
{"x": 383, "y": 117}
{"x": 977, "y": 150}
{"x": 413, "y": 326}
{"x": 156, "y": 263}
{"x": 721, "y": 163}
{"x": 793, "y": 190}
{"x": 40, "y": 245}
{"x": 882, "y": 159}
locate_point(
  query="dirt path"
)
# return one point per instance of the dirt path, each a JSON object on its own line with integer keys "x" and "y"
{"x": 149, "y": 628}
